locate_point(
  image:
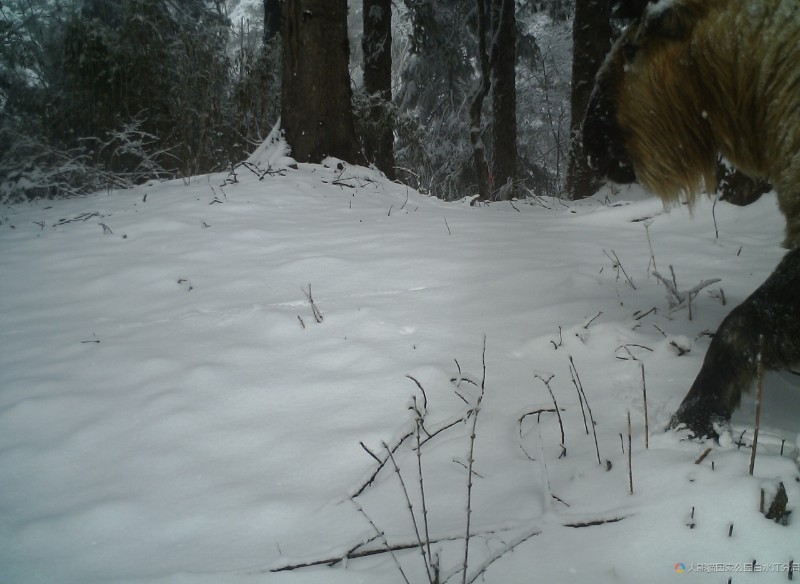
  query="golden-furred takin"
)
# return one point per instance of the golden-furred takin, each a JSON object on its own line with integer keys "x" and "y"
{"x": 686, "y": 82}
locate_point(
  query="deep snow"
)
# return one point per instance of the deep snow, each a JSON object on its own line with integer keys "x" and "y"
{"x": 165, "y": 416}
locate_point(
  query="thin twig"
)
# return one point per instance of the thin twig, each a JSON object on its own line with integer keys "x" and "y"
{"x": 631, "y": 356}
{"x": 411, "y": 512}
{"x": 650, "y": 244}
{"x": 591, "y": 320}
{"x": 499, "y": 554}
{"x": 560, "y": 339}
{"x": 83, "y": 217}
{"x": 382, "y": 536}
{"x": 471, "y": 461}
{"x": 640, "y": 315}
{"x": 317, "y": 314}
{"x": 445, "y": 426}
{"x": 680, "y": 298}
{"x": 702, "y": 457}
{"x": 372, "y": 454}
{"x": 714, "y": 216}
{"x": 380, "y": 466}
{"x": 646, "y": 419}
{"x": 595, "y": 522}
{"x": 431, "y": 565}
{"x": 558, "y": 412}
{"x": 422, "y": 390}
{"x": 577, "y": 381}
{"x": 580, "y": 397}
{"x": 630, "y": 456}
{"x": 618, "y": 266}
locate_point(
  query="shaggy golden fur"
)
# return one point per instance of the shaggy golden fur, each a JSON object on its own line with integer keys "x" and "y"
{"x": 691, "y": 80}
{"x": 714, "y": 77}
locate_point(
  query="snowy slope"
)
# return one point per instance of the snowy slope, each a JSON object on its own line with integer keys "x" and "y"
{"x": 170, "y": 410}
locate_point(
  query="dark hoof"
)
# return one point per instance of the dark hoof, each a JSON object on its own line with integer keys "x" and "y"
{"x": 702, "y": 415}
{"x": 700, "y": 427}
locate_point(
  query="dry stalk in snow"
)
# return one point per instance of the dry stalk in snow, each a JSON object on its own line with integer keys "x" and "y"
{"x": 759, "y": 396}
{"x": 579, "y": 386}
{"x": 646, "y": 419}
{"x": 617, "y": 265}
{"x": 630, "y": 456}
{"x": 471, "y": 460}
{"x": 557, "y": 410}
{"x": 680, "y": 298}
{"x": 317, "y": 314}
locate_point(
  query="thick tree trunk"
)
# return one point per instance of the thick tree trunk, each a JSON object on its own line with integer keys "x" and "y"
{"x": 591, "y": 36}
{"x": 377, "y": 46}
{"x": 476, "y": 139}
{"x": 272, "y": 19}
{"x": 504, "y": 104}
{"x": 484, "y": 84}
{"x": 316, "y": 102}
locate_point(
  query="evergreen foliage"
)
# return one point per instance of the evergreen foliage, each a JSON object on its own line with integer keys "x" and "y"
{"x": 99, "y": 94}
{"x": 104, "y": 93}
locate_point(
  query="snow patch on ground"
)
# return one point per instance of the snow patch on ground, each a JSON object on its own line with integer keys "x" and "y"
{"x": 171, "y": 410}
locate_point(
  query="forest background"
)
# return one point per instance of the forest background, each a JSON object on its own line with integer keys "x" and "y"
{"x": 101, "y": 94}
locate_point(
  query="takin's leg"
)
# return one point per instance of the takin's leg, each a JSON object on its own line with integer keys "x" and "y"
{"x": 731, "y": 363}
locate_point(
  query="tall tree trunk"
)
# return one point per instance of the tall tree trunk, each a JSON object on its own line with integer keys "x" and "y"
{"x": 591, "y": 37}
{"x": 377, "y": 46}
{"x": 272, "y": 19}
{"x": 316, "y": 101}
{"x": 504, "y": 103}
{"x": 484, "y": 84}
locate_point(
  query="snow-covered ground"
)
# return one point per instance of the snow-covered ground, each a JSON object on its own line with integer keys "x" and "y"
{"x": 171, "y": 411}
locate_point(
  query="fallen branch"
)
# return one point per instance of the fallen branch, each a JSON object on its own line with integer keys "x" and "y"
{"x": 702, "y": 457}
{"x": 356, "y": 552}
{"x": 317, "y": 314}
{"x": 82, "y": 218}
{"x": 369, "y": 548}
{"x": 595, "y": 522}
